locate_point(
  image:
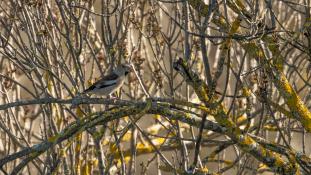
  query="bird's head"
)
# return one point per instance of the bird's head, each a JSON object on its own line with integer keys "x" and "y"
{"x": 123, "y": 69}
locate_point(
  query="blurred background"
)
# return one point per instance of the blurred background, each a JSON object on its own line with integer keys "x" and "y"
{"x": 239, "y": 48}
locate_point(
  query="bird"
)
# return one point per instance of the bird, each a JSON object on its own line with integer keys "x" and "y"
{"x": 109, "y": 83}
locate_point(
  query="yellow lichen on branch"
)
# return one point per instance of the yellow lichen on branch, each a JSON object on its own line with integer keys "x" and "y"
{"x": 291, "y": 98}
{"x": 248, "y": 144}
{"x": 273, "y": 160}
{"x": 293, "y": 101}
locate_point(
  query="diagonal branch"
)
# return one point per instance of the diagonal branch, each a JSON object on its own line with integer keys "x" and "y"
{"x": 245, "y": 142}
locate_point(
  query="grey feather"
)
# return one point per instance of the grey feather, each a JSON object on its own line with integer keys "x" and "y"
{"x": 109, "y": 83}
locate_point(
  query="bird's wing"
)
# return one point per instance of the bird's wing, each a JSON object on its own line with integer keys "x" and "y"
{"x": 106, "y": 81}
